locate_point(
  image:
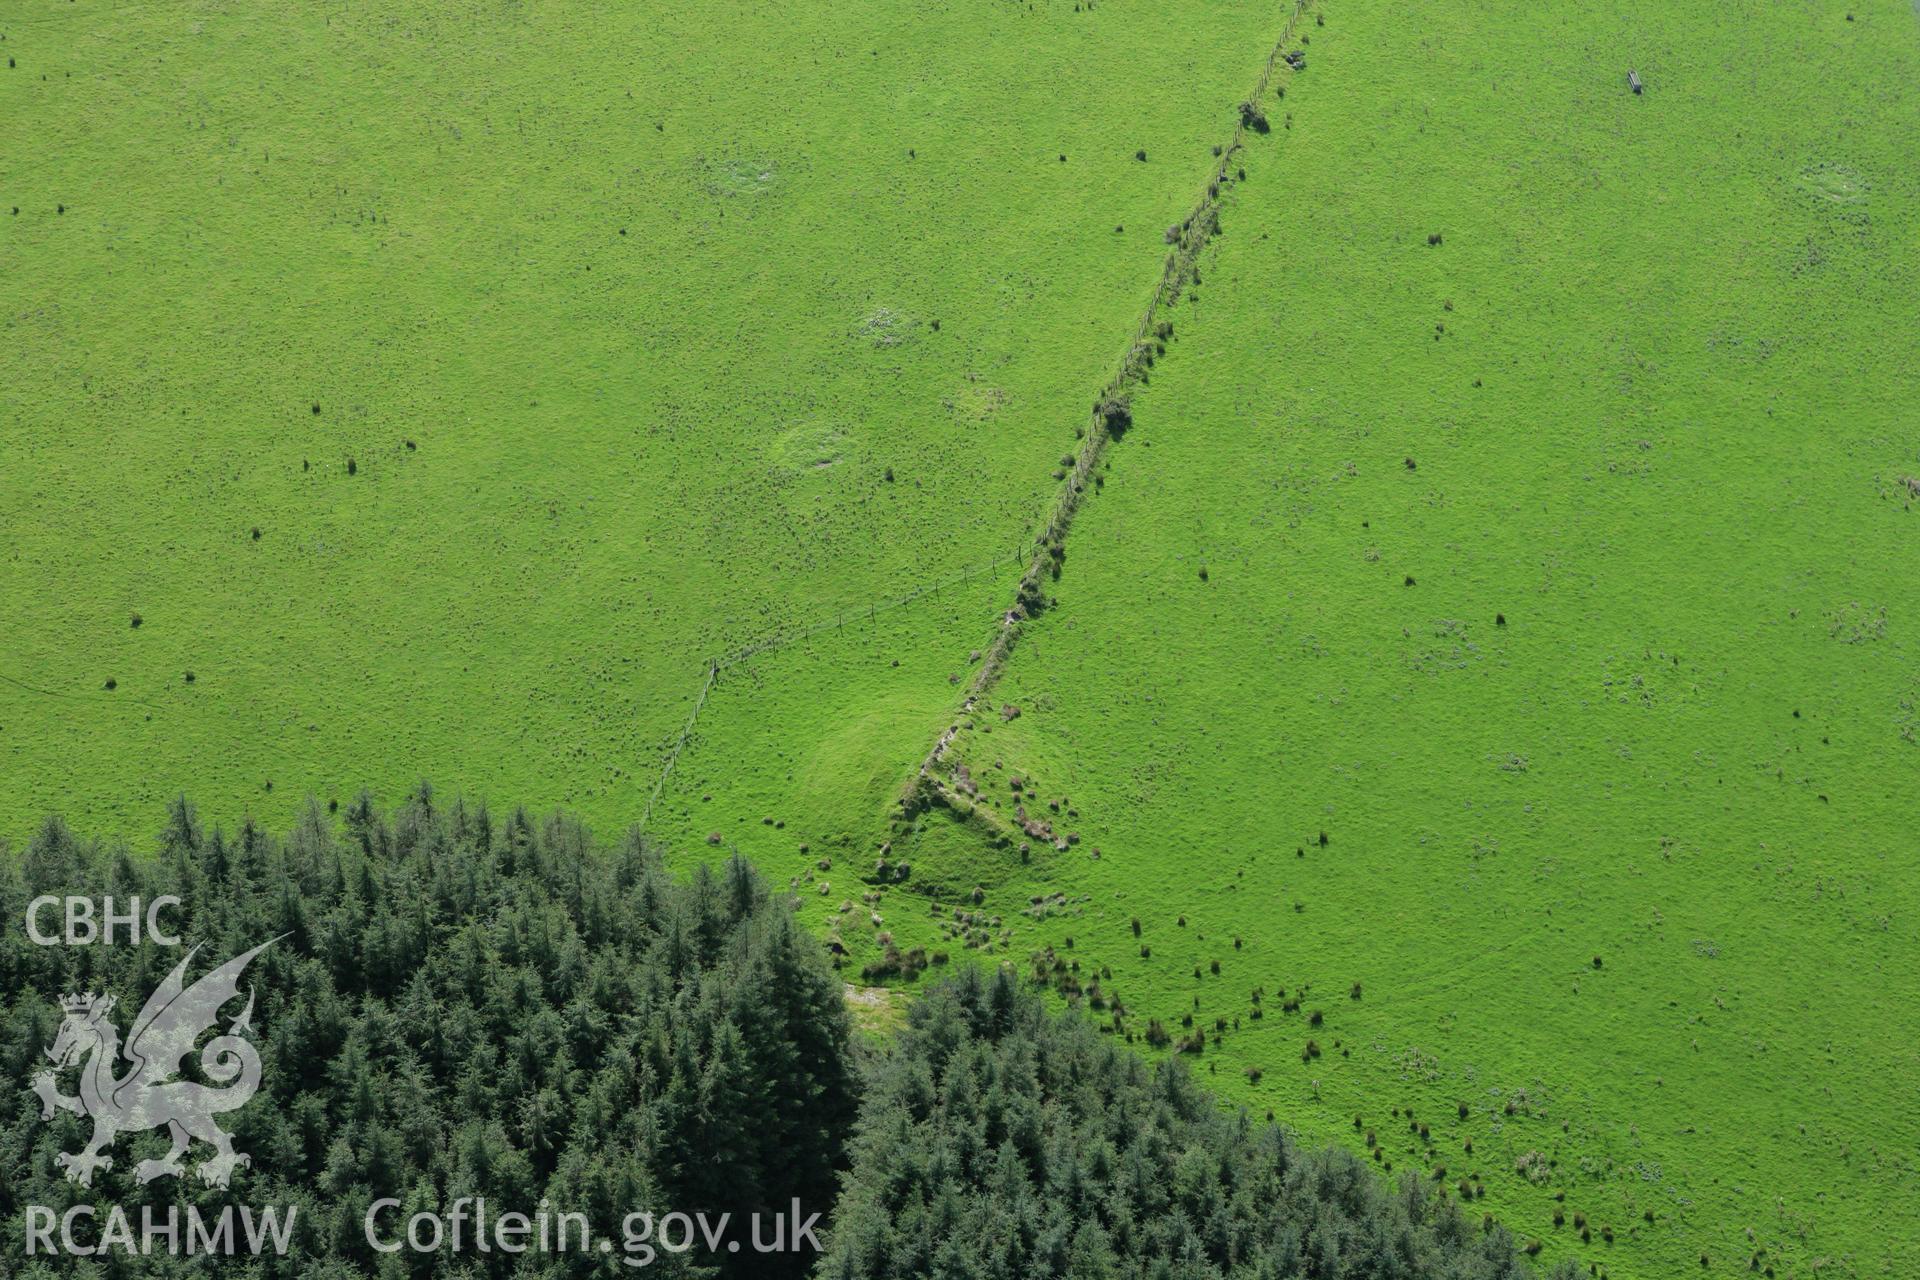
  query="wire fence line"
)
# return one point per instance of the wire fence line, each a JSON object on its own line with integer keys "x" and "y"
{"x": 680, "y": 744}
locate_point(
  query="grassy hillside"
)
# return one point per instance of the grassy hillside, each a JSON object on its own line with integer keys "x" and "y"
{"x": 441, "y": 387}
{"x": 1481, "y": 699}
{"x": 1503, "y": 609}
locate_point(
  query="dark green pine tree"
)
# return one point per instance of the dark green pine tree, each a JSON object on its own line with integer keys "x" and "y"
{"x": 995, "y": 1141}
{"x": 453, "y": 1007}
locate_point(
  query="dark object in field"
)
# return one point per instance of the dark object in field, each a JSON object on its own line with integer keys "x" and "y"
{"x": 316, "y": 408}
{"x": 136, "y": 620}
{"x": 1297, "y": 59}
{"x": 1433, "y": 238}
{"x": 1410, "y": 464}
{"x": 1633, "y": 80}
{"x": 189, "y": 677}
{"x": 1115, "y": 414}
{"x": 256, "y": 533}
{"x": 112, "y": 684}
{"x": 1253, "y": 117}
{"x": 1499, "y": 619}
{"x": 353, "y": 468}
{"x": 1140, "y": 155}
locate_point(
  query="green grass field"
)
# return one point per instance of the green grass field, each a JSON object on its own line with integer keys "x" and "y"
{"x": 1642, "y": 855}
{"x": 621, "y": 317}
{"x": 1495, "y": 635}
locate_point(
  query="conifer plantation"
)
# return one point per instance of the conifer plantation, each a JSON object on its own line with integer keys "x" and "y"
{"x": 997, "y": 1141}
{"x": 458, "y": 1005}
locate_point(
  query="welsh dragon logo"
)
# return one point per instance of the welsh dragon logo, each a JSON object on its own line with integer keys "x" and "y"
{"x": 150, "y": 1094}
